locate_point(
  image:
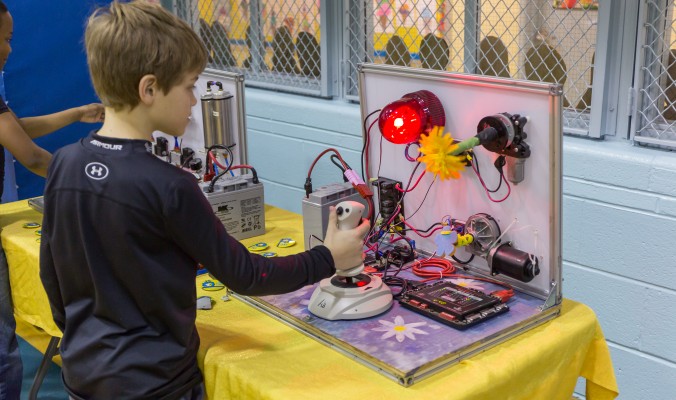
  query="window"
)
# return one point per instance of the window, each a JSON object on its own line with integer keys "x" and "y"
{"x": 545, "y": 40}
{"x": 314, "y": 47}
{"x": 275, "y": 44}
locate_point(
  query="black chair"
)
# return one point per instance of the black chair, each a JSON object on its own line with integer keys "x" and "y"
{"x": 670, "y": 89}
{"x": 205, "y": 34}
{"x": 397, "y": 52}
{"x": 307, "y": 50}
{"x": 221, "y": 46}
{"x": 247, "y": 63}
{"x": 282, "y": 52}
{"x": 545, "y": 64}
{"x": 51, "y": 352}
{"x": 493, "y": 57}
{"x": 434, "y": 52}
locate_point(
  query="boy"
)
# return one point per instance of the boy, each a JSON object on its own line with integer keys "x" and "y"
{"x": 123, "y": 231}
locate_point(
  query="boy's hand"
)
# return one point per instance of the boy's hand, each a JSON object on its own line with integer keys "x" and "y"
{"x": 92, "y": 113}
{"x": 347, "y": 246}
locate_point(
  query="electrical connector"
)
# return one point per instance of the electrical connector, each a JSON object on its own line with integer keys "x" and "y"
{"x": 359, "y": 185}
{"x": 308, "y": 186}
{"x": 503, "y": 295}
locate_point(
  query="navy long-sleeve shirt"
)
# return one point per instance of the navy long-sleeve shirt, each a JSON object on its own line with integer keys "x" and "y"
{"x": 122, "y": 235}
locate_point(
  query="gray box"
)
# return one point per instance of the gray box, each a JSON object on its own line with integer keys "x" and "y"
{"x": 316, "y": 209}
{"x": 239, "y": 204}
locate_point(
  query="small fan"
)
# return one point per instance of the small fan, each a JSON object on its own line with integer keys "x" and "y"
{"x": 485, "y": 231}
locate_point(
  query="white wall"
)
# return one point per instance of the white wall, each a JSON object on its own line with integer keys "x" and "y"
{"x": 619, "y": 224}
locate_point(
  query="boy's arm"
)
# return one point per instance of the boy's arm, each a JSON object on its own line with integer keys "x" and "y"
{"x": 13, "y": 137}
{"x": 194, "y": 227}
{"x": 45, "y": 124}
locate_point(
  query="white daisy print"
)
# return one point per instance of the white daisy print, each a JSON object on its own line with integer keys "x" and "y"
{"x": 468, "y": 283}
{"x": 399, "y": 329}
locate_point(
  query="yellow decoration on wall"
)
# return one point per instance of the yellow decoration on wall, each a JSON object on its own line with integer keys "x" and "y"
{"x": 435, "y": 147}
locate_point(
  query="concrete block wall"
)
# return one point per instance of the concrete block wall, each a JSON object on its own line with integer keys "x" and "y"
{"x": 619, "y": 224}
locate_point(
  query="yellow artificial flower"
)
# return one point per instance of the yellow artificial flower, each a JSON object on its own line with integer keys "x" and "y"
{"x": 436, "y": 148}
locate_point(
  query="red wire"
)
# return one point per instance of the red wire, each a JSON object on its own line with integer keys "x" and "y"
{"x": 418, "y": 233}
{"x": 241, "y": 166}
{"x": 215, "y": 161}
{"x": 446, "y": 270}
{"x": 414, "y": 186}
{"x": 369, "y": 200}
{"x": 502, "y": 177}
{"x": 444, "y": 267}
{"x": 309, "y": 172}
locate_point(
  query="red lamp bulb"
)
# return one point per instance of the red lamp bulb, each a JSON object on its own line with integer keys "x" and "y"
{"x": 404, "y": 120}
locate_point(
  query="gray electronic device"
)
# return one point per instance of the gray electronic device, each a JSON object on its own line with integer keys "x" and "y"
{"x": 315, "y": 209}
{"x": 239, "y": 203}
{"x": 37, "y": 204}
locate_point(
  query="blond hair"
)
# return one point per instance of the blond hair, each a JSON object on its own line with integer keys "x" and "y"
{"x": 126, "y": 41}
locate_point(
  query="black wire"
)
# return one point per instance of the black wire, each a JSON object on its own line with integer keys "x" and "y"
{"x": 222, "y": 147}
{"x": 363, "y": 149}
{"x": 210, "y": 189}
{"x": 309, "y": 240}
{"x": 396, "y": 281}
{"x": 385, "y": 228}
{"x": 187, "y": 160}
{"x": 423, "y": 200}
{"x": 380, "y": 156}
{"x": 425, "y": 231}
{"x": 502, "y": 175}
{"x": 461, "y": 261}
{"x": 336, "y": 161}
{"x": 408, "y": 185}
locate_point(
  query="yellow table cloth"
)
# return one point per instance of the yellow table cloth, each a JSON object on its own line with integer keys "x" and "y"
{"x": 22, "y": 248}
{"x": 246, "y": 354}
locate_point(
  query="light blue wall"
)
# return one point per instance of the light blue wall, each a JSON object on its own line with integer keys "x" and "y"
{"x": 619, "y": 224}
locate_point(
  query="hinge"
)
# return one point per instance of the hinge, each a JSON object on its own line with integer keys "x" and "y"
{"x": 631, "y": 101}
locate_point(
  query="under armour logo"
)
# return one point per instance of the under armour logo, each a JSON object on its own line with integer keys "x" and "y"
{"x": 96, "y": 171}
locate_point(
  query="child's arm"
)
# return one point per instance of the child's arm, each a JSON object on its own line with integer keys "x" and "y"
{"x": 194, "y": 227}
{"x": 13, "y": 137}
{"x": 45, "y": 124}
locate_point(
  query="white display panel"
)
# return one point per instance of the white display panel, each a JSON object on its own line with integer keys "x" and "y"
{"x": 194, "y": 133}
{"x": 531, "y": 216}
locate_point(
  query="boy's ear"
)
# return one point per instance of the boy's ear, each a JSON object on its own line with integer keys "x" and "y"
{"x": 147, "y": 89}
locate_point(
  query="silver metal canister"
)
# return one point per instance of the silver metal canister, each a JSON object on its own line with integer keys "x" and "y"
{"x": 222, "y": 117}
{"x": 207, "y": 100}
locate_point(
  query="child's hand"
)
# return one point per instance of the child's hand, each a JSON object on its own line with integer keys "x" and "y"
{"x": 347, "y": 246}
{"x": 92, "y": 113}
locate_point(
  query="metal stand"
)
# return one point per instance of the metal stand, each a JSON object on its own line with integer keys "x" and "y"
{"x": 52, "y": 350}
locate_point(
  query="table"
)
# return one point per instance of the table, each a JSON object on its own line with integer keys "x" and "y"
{"x": 246, "y": 354}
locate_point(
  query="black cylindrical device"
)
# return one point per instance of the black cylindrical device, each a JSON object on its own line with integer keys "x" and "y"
{"x": 505, "y": 259}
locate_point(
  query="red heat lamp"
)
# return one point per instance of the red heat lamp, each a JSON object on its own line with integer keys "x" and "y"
{"x": 404, "y": 120}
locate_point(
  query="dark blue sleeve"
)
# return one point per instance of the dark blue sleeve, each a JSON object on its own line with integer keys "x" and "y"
{"x": 3, "y": 106}
{"x": 192, "y": 224}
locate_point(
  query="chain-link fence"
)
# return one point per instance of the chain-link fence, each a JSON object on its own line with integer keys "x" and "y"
{"x": 543, "y": 40}
{"x": 275, "y": 44}
{"x": 656, "y": 123}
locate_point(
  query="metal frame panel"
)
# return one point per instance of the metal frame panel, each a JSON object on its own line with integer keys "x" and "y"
{"x": 525, "y": 96}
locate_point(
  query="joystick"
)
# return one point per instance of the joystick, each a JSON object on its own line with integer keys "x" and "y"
{"x": 350, "y": 294}
{"x": 349, "y": 216}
